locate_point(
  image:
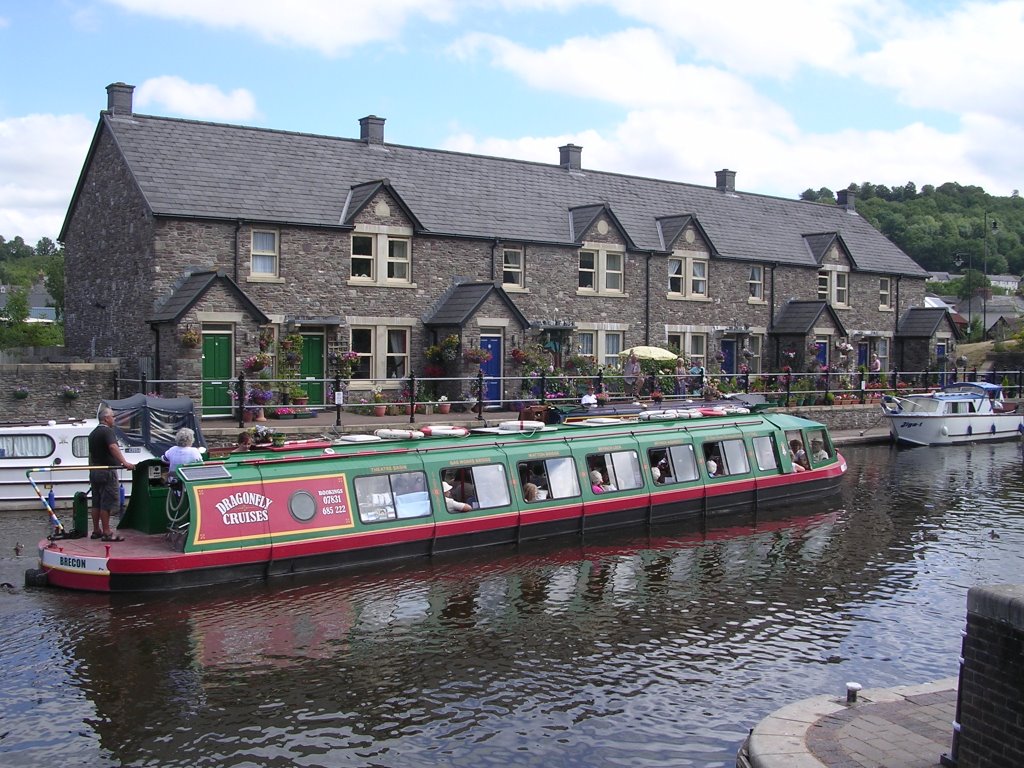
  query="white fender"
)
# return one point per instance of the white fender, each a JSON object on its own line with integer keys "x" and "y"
{"x": 398, "y": 434}
{"x": 444, "y": 430}
{"x": 521, "y": 426}
{"x": 692, "y": 413}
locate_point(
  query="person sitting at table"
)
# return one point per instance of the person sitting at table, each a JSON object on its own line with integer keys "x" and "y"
{"x": 451, "y": 504}
{"x": 590, "y": 398}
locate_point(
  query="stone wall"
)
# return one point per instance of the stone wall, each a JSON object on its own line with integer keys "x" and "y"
{"x": 992, "y": 679}
{"x": 45, "y": 400}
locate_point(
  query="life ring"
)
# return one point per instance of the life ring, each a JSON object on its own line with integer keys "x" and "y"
{"x": 444, "y": 430}
{"x": 398, "y": 434}
{"x": 521, "y": 426}
{"x": 712, "y": 412}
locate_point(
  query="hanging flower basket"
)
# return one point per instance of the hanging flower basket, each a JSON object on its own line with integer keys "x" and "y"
{"x": 477, "y": 355}
{"x": 257, "y": 362}
{"x": 20, "y": 393}
{"x": 70, "y": 392}
{"x": 191, "y": 338}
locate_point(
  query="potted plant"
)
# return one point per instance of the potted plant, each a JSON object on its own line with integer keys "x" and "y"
{"x": 20, "y": 393}
{"x": 443, "y": 406}
{"x": 297, "y": 395}
{"x": 256, "y": 363}
{"x": 379, "y": 400}
{"x": 477, "y": 355}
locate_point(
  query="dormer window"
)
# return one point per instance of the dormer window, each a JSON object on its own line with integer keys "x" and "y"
{"x": 382, "y": 256}
{"x": 687, "y": 276}
{"x": 601, "y": 271}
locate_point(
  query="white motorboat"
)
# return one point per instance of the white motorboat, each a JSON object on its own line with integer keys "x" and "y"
{"x": 966, "y": 412}
{"x": 145, "y": 428}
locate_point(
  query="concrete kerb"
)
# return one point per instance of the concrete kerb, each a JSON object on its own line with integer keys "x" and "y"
{"x": 780, "y": 740}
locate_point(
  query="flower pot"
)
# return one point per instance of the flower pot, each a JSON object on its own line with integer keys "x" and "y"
{"x": 260, "y": 415}
{"x": 300, "y": 400}
{"x": 380, "y": 410}
{"x": 247, "y": 416}
{"x": 444, "y": 407}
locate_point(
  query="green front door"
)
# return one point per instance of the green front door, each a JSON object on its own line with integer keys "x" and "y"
{"x": 312, "y": 367}
{"x": 216, "y": 374}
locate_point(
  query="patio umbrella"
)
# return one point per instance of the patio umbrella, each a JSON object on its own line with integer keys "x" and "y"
{"x": 649, "y": 353}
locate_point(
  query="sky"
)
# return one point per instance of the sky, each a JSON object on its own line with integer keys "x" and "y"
{"x": 790, "y": 94}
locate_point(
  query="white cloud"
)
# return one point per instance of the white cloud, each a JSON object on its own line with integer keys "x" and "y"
{"x": 967, "y": 61}
{"x": 327, "y": 26}
{"x": 40, "y": 157}
{"x": 4, "y": 22}
{"x": 767, "y": 40}
{"x": 196, "y": 100}
{"x": 594, "y": 68}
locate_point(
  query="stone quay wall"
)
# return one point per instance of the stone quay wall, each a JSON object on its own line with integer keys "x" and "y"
{"x": 44, "y": 383}
{"x": 991, "y": 697}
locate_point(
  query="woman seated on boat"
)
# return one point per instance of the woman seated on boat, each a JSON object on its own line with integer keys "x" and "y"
{"x": 530, "y": 492}
{"x": 452, "y": 504}
{"x": 595, "y": 481}
{"x": 182, "y": 452}
{"x": 589, "y": 400}
{"x": 244, "y": 442}
{"x": 463, "y": 488}
{"x": 660, "y": 469}
{"x": 796, "y": 448}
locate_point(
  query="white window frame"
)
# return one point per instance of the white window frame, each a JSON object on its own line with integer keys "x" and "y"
{"x": 693, "y": 345}
{"x": 605, "y": 273}
{"x": 885, "y": 294}
{"x": 834, "y": 286}
{"x": 755, "y": 346}
{"x": 755, "y": 284}
{"x": 383, "y": 363}
{"x": 687, "y": 269}
{"x": 515, "y": 269}
{"x": 882, "y": 350}
{"x": 257, "y": 254}
{"x": 385, "y": 260}
{"x": 610, "y": 342}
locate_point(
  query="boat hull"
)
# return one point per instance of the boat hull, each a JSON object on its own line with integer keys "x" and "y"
{"x": 953, "y": 429}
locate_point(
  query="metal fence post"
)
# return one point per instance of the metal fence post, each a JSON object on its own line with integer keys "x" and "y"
{"x": 480, "y": 395}
{"x": 412, "y": 398}
{"x": 241, "y": 399}
{"x": 337, "y": 402}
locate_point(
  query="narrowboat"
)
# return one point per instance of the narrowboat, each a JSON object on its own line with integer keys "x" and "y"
{"x": 966, "y": 412}
{"x": 363, "y": 498}
{"x": 145, "y": 428}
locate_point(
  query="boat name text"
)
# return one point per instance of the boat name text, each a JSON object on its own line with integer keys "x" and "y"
{"x": 249, "y": 499}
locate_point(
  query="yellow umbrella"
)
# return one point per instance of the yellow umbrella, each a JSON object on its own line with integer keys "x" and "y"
{"x": 649, "y": 353}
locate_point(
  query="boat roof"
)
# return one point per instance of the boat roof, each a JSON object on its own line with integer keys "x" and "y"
{"x": 966, "y": 386}
{"x": 153, "y": 422}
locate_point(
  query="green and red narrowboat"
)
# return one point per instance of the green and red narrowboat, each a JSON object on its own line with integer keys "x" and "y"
{"x": 318, "y": 505}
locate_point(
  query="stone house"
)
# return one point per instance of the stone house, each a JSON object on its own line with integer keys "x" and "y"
{"x": 240, "y": 235}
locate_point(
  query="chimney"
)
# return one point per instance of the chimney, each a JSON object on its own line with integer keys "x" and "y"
{"x": 119, "y": 98}
{"x": 371, "y": 129}
{"x": 725, "y": 180}
{"x": 847, "y": 198}
{"x": 569, "y": 157}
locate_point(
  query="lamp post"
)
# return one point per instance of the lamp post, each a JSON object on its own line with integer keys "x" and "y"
{"x": 984, "y": 295}
{"x": 958, "y": 259}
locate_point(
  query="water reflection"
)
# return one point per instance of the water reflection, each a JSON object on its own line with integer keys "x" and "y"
{"x": 651, "y": 648}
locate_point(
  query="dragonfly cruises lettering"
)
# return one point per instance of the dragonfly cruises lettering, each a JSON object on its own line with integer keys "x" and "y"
{"x": 244, "y": 507}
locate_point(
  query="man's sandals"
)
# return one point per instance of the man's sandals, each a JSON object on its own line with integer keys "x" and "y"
{"x": 112, "y": 537}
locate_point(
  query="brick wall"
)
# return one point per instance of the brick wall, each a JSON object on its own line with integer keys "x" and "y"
{"x": 991, "y": 707}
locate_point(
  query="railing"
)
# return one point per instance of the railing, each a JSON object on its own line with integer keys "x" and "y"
{"x": 414, "y": 394}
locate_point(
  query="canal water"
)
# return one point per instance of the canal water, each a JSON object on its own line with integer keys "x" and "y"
{"x": 643, "y": 648}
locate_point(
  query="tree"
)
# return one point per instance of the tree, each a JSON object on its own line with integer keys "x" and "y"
{"x": 54, "y": 282}
{"x": 971, "y": 282}
{"x": 17, "y": 306}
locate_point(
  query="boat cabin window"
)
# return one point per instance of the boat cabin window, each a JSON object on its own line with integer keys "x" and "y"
{"x": 675, "y": 464}
{"x": 483, "y": 487}
{"x": 619, "y": 470}
{"x": 795, "y": 443}
{"x": 26, "y": 446}
{"x": 397, "y": 496}
{"x": 554, "y": 478}
{"x": 725, "y": 457}
{"x": 80, "y": 447}
{"x": 764, "y": 452}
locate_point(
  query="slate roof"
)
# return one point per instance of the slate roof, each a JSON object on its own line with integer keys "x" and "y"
{"x": 923, "y": 322}
{"x": 797, "y": 318}
{"x": 192, "y": 288}
{"x": 194, "y": 169}
{"x": 461, "y": 302}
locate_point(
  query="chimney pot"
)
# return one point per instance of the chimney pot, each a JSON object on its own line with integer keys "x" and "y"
{"x": 371, "y": 129}
{"x": 119, "y": 98}
{"x": 569, "y": 157}
{"x": 847, "y": 198}
{"x": 725, "y": 180}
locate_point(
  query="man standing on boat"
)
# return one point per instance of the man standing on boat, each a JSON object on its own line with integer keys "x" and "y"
{"x": 105, "y": 452}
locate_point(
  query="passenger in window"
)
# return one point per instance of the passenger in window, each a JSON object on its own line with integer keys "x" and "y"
{"x": 799, "y": 454}
{"x": 818, "y": 452}
{"x": 712, "y": 467}
{"x": 659, "y": 470}
{"x": 530, "y": 492}
{"x": 452, "y": 504}
{"x": 596, "y": 481}
{"x": 463, "y": 488}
